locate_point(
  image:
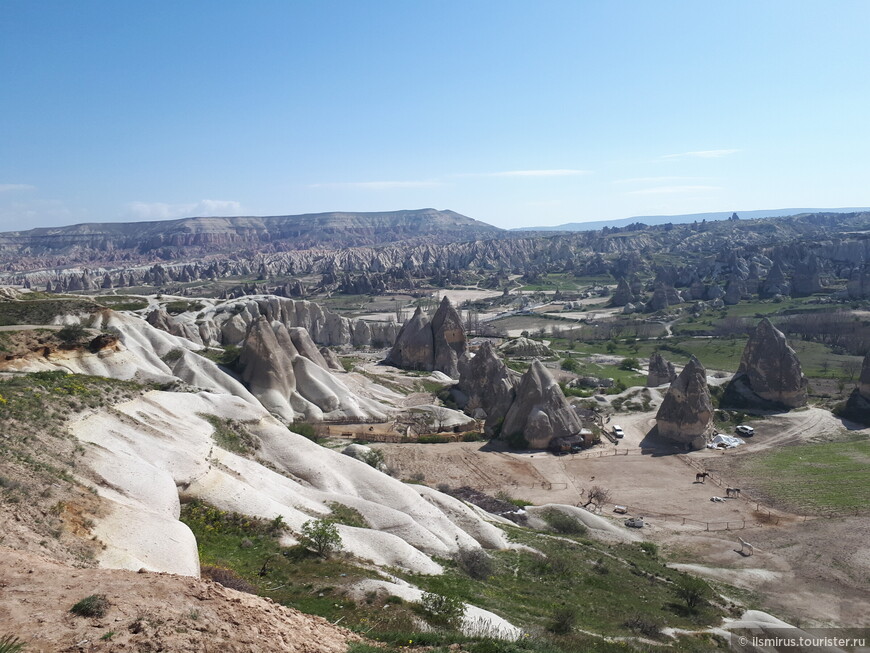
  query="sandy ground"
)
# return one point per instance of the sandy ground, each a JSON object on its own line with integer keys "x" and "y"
{"x": 815, "y": 571}
{"x": 148, "y": 612}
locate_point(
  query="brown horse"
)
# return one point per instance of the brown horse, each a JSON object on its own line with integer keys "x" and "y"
{"x": 701, "y": 477}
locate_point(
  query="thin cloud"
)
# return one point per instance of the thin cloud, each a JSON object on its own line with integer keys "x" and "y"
{"x": 659, "y": 180}
{"x": 701, "y": 154}
{"x": 166, "y": 211}
{"x": 379, "y": 185}
{"x": 559, "y": 172}
{"x": 670, "y": 190}
{"x": 11, "y": 188}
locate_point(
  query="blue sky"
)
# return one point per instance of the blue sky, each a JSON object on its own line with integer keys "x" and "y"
{"x": 515, "y": 113}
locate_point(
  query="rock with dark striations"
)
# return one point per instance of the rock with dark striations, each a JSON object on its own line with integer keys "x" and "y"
{"x": 415, "y": 345}
{"x": 662, "y": 297}
{"x": 540, "y": 411}
{"x": 448, "y": 336}
{"x": 660, "y": 371}
{"x": 488, "y": 386}
{"x": 622, "y": 295}
{"x": 686, "y": 413}
{"x": 769, "y": 375}
{"x": 775, "y": 283}
{"x": 734, "y": 291}
{"x": 807, "y": 278}
{"x": 858, "y": 406}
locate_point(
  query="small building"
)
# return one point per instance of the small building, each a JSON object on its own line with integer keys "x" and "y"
{"x": 572, "y": 443}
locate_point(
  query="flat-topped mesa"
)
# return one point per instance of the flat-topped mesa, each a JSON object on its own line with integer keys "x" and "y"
{"x": 686, "y": 414}
{"x": 770, "y": 373}
{"x": 540, "y": 411}
{"x": 488, "y": 386}
{"x": 435, "y": 345}
{"x": 660, "y": 371}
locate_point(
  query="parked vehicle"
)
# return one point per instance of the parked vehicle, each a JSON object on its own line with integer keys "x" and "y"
{"x": 745, "y": 431}
{"x": 618, "y": 432}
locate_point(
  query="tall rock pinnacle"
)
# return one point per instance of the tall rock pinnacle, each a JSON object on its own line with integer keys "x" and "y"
{"x": 686, "y": 414}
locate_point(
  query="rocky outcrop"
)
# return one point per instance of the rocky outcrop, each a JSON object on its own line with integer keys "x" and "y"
{"x": 332, "y": 360}
{"x": 858, "y": 406}
{"x": 275, "y": 367}
{"x": 435, "y": 345}
{"x": 227, "y": 323}
{"x": 525, "y": 348}
{"x": 540, "y": 411}
{"x": 660, "y": 371}
{"x": 686, "y": 413}
{"x": 627, "y": 292}
{"x": 448, "y": 336}
{"x": 415, "y": 345}
{"x": 769, "y": 375}
{"x": 487, "y": 387}
{"x": 662, "y": 297}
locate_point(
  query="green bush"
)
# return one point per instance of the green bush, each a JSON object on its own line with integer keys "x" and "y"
{"x": 11, "y": 644}
{"x": 569, "y": 365}
{"x": 442, "y": 610}
{"x": 474, "y": 562}
{"x": 94, "y": 605}
{"x": 305, "y": 430}
{"x": 321, "y": 536}
{"x": 629, "y": 364}
{"x": 72, "y": 334}
{"x": 693, "y": 591}
{"x": 563, "y": 620}
{"x": 562, "y": 523}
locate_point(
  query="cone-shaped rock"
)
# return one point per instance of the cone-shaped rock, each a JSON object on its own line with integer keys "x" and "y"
{"x": 769, "y": 375}
{"x": 488, "y": 385}
{"x": 448, "y": 336}
{"x": 415, "y": 346}
{"x": 686, "y": 413}
{"x": 540, "y": 411}
{"x": 660, "y": 371}
{"x": 858, "y": 406}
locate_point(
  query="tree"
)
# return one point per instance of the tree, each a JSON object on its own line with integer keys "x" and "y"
{"x": 569, "y": 365}
{"x": 321, "y": 536}
{"x": 72, "y": 334}
{"x": 629, "y": 364}
{"x": 691, "y": 590}
{"x": 597, "y": 497}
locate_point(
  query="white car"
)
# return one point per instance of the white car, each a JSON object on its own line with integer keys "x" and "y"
{"x": 745, "y": 431}
{"x": 618, "y": 432}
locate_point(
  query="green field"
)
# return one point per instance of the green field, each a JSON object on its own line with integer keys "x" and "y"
{"x": 816, "y": 478}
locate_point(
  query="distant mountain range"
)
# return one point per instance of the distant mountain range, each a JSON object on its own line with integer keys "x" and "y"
{"x": 682, "y": 219}
{"x": 193, "y": 237}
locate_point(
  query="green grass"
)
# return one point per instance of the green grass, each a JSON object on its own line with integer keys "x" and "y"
{"x": 231, "y": 435}
{"x": 816, "y": 478}
{"x": 605, "y": 584}
{"x": 42, "y": 311}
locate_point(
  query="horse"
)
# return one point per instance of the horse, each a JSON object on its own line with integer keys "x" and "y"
{"x": 733, "y": 492}
{"x": 745, "y": 547}
{"x": 701, "y": 477}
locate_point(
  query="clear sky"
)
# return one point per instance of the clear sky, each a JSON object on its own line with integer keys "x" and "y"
{"x": 513, "y": 112}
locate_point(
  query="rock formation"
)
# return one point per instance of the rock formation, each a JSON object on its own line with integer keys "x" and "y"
{"x": 435, "y": 345}
{"x": 488, "y": 387}
{"x": 660, "y": 371}
{"x": 276, "y": 368}
{"x": 448, "y": 336}
{"x": 769, "y": 375}
{"x": 858, "y": 406}
{"x": 686, "y": 413}
{"x": 525, "y": 348}
{"x": 415, "y": 345}
{"x": 540, "y": 411}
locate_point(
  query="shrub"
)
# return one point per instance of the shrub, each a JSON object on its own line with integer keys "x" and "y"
{"x": 517, "y": 441}
{"x": 94, "y": 605}
{"x": 72, "y": 334}
{"x": 691, "y": 590}
{"x": 475, "y": 563}
{"x": 563, "y": 523}
{"x": 643, "y": 625}
{"x": 651, "y": 548}
{"x": 374, "y": 458}
{"x": 442, "y": 610}
{"x": 227, "y": 578}
{"x": 563, "y": 620}
{"x": 629, "y": 364}
{"x": 321, "y": 536}
{"x": 305, "y": 430}
{"x": 11, "y": 644}
{"x": 569, "y": 365}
